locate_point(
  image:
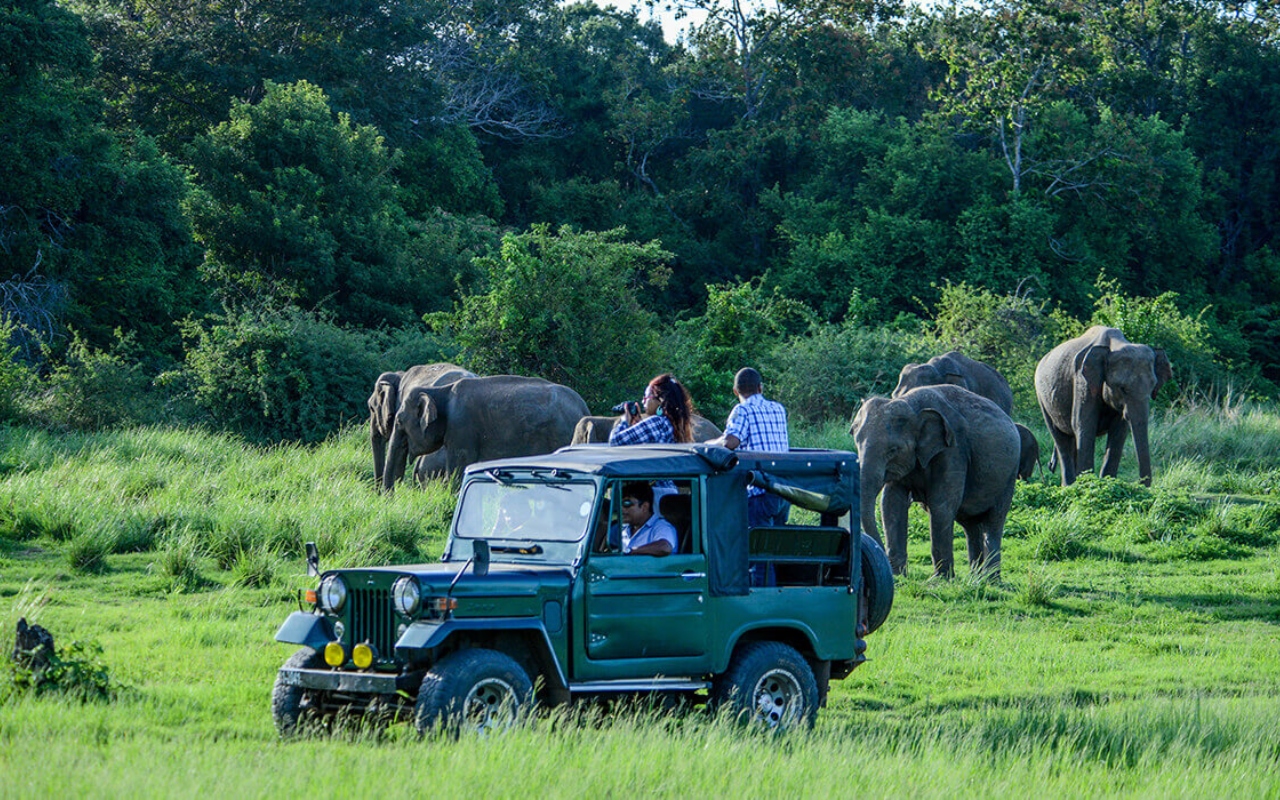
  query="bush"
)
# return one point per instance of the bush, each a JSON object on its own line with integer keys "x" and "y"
{"x": 76, "y": 670}
{"x": 565, "y": 306}
{"x": 742, "y": 326}
{"x": 1158, "y": 322}
{"x": 95, "y": 389}
{"x": 1009, "y": 332}
{"x": 14, "y": 374}
{"x": 827, "y": 372}
{"x": 278, "y": 373}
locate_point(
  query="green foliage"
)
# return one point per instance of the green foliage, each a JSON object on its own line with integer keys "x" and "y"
{"x": 826, "y": 372}
{"x": 277, "y": 373}
{"x": 94, "y": 389}
{"x": 293, "y": 202}
{"x": 76, "y": 671}
{"x": 742, "y": 325}
{"x": 1010, "y": 332}
{"x": 15, "y": 376}
{"x": 565, "y": 306}
{"x": 1158, "y": 322}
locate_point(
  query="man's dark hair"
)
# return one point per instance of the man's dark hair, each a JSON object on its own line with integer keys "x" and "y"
{"x": 640, "y": 490}
{"x": 747, "y": 381}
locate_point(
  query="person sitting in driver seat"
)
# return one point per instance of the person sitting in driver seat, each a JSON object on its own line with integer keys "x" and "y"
{"x": 645, "y": 533}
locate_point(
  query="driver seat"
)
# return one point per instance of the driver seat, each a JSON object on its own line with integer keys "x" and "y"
{"x": 678, "y": 510}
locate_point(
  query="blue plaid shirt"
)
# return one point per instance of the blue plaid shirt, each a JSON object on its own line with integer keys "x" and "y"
{"x": 650, "y": 430}
{"x": 759, "y": 424}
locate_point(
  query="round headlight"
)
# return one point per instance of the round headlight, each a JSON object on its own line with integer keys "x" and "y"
{"x": 333, "y": 593}
{"x": 406, "y": 595}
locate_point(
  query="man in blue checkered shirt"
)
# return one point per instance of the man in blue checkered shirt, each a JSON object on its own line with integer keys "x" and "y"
{"x": 757, "y": 424}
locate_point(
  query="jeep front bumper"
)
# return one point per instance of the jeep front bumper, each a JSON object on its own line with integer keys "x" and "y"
{"x": 334, "y": 681}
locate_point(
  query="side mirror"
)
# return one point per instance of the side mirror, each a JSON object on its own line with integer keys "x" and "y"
{"x": 313, "y": 560}
{"x": 480, "y": 557}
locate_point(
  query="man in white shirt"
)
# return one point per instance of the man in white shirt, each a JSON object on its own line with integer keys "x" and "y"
{"x": 645, "y": 533}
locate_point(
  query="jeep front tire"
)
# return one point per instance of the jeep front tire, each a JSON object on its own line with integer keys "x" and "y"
{"x": 479, "y": 690}
{"x": 294, "y": 706}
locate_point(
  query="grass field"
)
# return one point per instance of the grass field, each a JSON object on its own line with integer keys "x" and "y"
{"x": 1132, "y": 650}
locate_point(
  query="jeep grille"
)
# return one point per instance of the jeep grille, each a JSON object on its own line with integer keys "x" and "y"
{"x": 373, "y": 621}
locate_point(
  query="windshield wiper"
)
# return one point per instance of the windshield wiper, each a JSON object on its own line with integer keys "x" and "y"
{"x": 552, "y": 475}
{"x": 502, "y": 477}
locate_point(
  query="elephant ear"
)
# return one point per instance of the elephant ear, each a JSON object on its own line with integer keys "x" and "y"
{"x": 937, "y": 432}
{"x": 383, "y": 401}
{"x": 1164, "y": 371}
{"x": 1091, "y": 365}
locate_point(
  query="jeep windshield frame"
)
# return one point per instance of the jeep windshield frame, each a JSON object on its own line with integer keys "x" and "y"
{"x": 525, "y": 515}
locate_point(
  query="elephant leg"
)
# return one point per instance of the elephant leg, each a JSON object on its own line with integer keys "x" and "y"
{"x": 973, "y": 537}
{"x": 1064, "y": 452}
{"x": 894, "y": 505}
{"x": 942, "y": 534}
{"x": 1115, "y": 448}
{"x": 431, "y": 466}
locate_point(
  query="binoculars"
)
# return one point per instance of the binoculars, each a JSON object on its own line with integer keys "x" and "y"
{"x": 632, "y": 408}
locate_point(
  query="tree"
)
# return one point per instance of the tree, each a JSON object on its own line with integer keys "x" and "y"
{"x": 295, "y": 202}
{"x": 89, "y": 220}
{"x": 564, "y": 306}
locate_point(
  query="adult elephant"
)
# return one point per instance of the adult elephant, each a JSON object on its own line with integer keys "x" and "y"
{"x": 596, "y": 429}
{"x": 1100, "y": 383}
{"x": 949, "y": 449}
{"x": 957, "y": 369}
{"x": 477, "y": 419}
{"x": 384, "y": 402}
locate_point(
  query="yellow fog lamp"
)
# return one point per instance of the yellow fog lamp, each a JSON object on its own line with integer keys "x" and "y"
{"x": 334, "y": 654}
{"x": 362, "y": 655}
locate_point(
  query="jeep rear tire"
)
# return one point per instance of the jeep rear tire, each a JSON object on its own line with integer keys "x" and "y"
{"x": 293, "y": 707}
{"x": 478, "y": 690}
{"x": 768, "y": 684}
{"x": 877, "y": 583}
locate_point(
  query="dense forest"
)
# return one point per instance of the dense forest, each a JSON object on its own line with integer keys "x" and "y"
{"x": 240, "y": 213}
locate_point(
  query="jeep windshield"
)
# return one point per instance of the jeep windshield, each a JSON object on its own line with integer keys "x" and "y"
{"x": 526, "y": 514}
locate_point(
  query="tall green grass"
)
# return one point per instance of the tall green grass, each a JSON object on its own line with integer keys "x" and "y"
{"x": 1129, "y": 651}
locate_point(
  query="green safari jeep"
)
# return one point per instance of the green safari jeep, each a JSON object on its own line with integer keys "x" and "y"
{"x": 535, "y": 600}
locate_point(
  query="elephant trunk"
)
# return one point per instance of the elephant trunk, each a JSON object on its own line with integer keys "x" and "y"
{"x": 1141, "y": 443}
{"x": 872, "y": 483}
{"x": 379, "y": 443}
{"x": 396, "y": 459}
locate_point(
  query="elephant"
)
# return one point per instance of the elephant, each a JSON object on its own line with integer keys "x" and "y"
{"x": 477, "y": 419}
{"x": 593, "y": 429}
{"x": 1029, "y": 457}
{"x": 385, "y": 401}
{"x": 1096, "y": 383}
{"x": 953, "y": 451}
{"x": 957, "y": 369}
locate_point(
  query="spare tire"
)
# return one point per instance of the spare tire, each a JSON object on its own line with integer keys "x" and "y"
{"x": 877, "y": 583}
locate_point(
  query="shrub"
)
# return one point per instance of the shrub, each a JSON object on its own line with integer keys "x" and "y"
{"x": 741, "y": 327}
{"x": 1009, "y": 332}
{"x": 1158, "y": 322}
{"x": 76, "y": 670}
{"x": 564, "y": 306}
{"x": 15, "y": 375}
{"x": 278, "y": 373}
{"x": 827, "y": 372}
{"x": 94, "y": 389}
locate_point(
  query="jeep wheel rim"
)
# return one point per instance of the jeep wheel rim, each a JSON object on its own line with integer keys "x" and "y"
{"x": 779, "y": 700}
{"x": 490, "y": 705}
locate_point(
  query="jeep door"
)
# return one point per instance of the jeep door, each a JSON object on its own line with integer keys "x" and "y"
{"x": 644, "y": 615}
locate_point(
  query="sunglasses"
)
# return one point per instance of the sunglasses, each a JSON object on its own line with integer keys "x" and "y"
{"x": 630, "y": 503}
